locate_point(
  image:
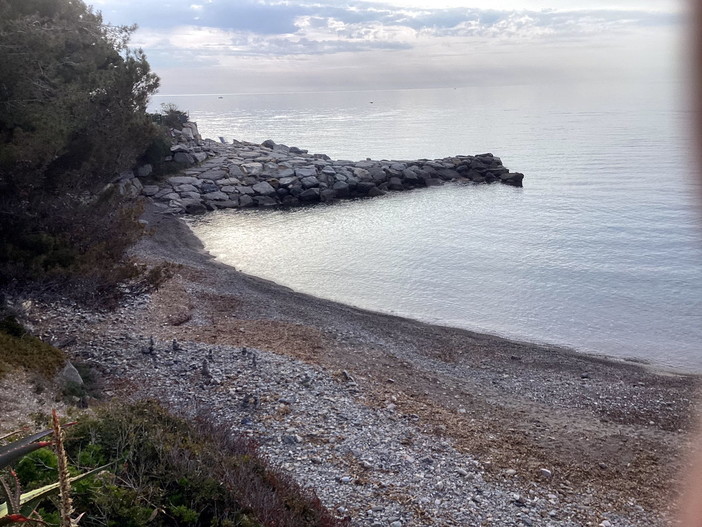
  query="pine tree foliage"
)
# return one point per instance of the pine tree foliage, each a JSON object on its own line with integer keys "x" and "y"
{"x": 73, "y": 100}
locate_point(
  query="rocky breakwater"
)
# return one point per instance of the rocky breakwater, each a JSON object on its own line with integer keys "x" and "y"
{"x": 244, "y": 174}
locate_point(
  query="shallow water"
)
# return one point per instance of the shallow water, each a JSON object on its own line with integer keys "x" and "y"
{"x": 599, "y": 251}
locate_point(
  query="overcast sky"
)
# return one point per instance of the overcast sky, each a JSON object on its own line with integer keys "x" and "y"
{"x": 244, "y": 46}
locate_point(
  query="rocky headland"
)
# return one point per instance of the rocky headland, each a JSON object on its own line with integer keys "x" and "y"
{"x": 243, "y": 174}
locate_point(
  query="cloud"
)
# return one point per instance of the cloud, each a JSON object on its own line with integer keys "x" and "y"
{"x": 449, "y": 44}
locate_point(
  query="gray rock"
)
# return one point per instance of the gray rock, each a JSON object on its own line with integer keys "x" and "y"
{"x": 513, "y": 179}
{"x": 327, "y": 194}
{"x": 183, "y": 157}
{"x": 144, "y": 170}
{"x": 252, "y": 169}
{"x": 228, "y": 181}
{"x": 342, "y": 188}
{"x": 235, "y": 171}
{"x": 264, "y": 188}
{"x": 285, "y": 173}
{"x": 246, "y": 201}
{"x": 208, "y": 186}
{"x": 244, "y": 189}
{"x": 290, "y": 201}
{"x": 309, "y": 195}
{"x": 309, "y": 182}
{"x": 165, "y": 196}
{"x": 378, "y": 174}
{"x": 214, "y": 175}
{"x": 361, "y": 174}
{"x": 304, "y": 172}
{"x": 226, "y": 204}
{"x": 375, "y": 192}
{"x": 410, "y": 176}
{"x": 186, "y": 188}
{"x": 194, "y": 206}
{"x": 150, "y": 190}
{"x": 215, "y": 196}
{"x": 199, "y": 156}
{"x": 447, "y": 174}
{"x": 69, "y": 375}
{"x": 363, "y": 187}
{"x": 265, "y": 201}
{"x": 287, "y": 181}
{"x": 182, "y": 180}
{"x": 395, "y": 183}
{"x": 268, "y": 143}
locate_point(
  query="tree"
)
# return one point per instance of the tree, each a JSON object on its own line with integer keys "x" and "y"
{"x": 73, "y": 100}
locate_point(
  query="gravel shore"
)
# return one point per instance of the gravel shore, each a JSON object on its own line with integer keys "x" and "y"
{"x": 391, "y": 421}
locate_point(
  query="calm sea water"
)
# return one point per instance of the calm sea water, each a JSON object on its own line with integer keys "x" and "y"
{"x": 600, "y": 251}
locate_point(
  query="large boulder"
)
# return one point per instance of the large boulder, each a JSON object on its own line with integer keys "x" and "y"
{"x": 514, "y": 179}
{"x": 341, "y": 188}
{"x": 182, "y": 180}
{"x": 184, "y": 158}
{"x": 144, "y": 170}
{"x": 309, "y": 182}
{"x": 287, "y": 181}
{"x": 69, "y": 376}
{"x": 265, "y": 201}
{"x": 246, "y": 201}
{"x": 252, "y": 169}
{"x": 309, "y": 195}
{"x": 395, "y": 183}
{"x": 213, "y": 175}
{"x": 304, "y": 172}
{"x": 216, "y": 196}
{"x": 263, "y": 188}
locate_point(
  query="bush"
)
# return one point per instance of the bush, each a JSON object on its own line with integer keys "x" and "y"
{"x": 28, "y": 353}
{"x": 172, "y": 472}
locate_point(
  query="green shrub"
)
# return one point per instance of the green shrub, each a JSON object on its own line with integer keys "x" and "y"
{"x": 173, "y": 472}
{"x": 30, "y": 354}
{"x": 37, "y": 469}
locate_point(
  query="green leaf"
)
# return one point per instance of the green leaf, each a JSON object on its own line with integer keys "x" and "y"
{"x": 30, "y": 499}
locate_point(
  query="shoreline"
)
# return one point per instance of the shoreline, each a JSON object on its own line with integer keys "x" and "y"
{"x": 655, "y": 367}
{"x": 399, "y": 414}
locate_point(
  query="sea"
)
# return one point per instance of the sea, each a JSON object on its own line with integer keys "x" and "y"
{"x": 600, "y": 251}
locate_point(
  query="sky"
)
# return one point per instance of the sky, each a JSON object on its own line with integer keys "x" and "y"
{"x": 269, "y": 46}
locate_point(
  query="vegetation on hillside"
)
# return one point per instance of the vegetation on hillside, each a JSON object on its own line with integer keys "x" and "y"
{"x": 19, "y": 349}
{"x": 73, "y": 100}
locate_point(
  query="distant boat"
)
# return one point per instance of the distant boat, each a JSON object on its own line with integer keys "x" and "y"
{"x": 220, "y": 97}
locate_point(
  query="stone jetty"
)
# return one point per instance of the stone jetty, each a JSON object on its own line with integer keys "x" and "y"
{"x": 244, "y": 174}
